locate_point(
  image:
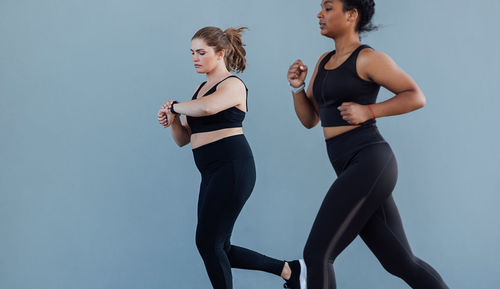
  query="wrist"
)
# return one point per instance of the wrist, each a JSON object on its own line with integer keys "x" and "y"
{"x": 172, "y": 110}
{"x": 371, "y": 112}
{"x": 298, "y": 89}
{"x": 176, "y": 120}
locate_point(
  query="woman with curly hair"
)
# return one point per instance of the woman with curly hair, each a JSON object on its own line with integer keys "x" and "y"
{"x": 342, "y": 95}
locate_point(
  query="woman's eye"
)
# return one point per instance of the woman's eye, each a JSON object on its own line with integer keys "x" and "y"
{"x": 202, "y": 53}
{"x": 328, "y": 9}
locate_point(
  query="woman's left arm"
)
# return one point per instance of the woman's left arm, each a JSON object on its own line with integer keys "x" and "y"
{"x": 229, "y": 93}
{"x": 380, "y": 68}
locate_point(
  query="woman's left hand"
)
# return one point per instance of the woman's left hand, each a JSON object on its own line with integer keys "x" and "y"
{"x": 355, "y": 113}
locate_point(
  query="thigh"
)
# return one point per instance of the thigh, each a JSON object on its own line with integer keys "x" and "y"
{"x": 222, "y": 197}
{"x": 353, "y": 198}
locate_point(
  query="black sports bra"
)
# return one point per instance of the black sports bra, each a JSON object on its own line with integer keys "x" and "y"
{"x": 332, "y": 87}
{"x": 228, "y": 118}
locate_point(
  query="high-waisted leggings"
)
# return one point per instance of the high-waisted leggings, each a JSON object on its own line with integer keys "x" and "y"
{"x": 360, "y": 203}
{"x": 227, "y": 179}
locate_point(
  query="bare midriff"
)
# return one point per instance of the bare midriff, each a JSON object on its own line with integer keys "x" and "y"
{"x": 332, "y": 131}
{"x": 203, "y": 138}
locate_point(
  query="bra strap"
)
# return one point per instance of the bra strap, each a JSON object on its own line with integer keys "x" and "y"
{"x": 199, "y": 88}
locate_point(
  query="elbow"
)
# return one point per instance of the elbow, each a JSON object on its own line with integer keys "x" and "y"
{"x": 308, "y": 125}
{"x": 415, "y": 99}
{"x": 207, "y": 109}
{"x": 181, "y": 142}
{"x": 420, "y": 100}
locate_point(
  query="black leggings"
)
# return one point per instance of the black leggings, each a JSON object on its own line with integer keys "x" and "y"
{"x": 227, "y": 179}
{"x": 360, "y": 203}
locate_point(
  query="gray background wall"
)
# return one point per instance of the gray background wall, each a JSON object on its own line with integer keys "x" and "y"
{"x": 95, "y": 194}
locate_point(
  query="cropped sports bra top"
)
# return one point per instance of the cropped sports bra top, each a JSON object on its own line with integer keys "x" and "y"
{"x": 228, "y": 118}
{"x": 332, "y": 87}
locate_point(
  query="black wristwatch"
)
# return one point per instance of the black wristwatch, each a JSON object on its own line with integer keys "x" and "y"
{"x": 172, "y": 107}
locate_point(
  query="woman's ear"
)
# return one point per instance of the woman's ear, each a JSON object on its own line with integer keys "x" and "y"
{"x": 221, "y": 54}
{"x": 352, "y": 15}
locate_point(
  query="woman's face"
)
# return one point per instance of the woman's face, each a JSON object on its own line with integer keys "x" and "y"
{"x": 205, "y": 58}
{"x": 333, "y": 21}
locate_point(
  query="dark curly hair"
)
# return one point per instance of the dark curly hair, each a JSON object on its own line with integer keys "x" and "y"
{"x": 366, "y": 9}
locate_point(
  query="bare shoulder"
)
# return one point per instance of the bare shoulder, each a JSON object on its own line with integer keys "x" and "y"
{"x": 371, "y": 64}
{"x": 232, "y": 83}
{"x": 371, "y": 57}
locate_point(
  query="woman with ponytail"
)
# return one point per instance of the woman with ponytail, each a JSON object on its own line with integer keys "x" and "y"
{"x": 213, "y": 125}
{"x": 342, "y": 95}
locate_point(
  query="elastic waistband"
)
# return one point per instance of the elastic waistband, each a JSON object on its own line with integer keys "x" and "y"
{"x": 353, "y": 140}
{"x": 229, "y": 148}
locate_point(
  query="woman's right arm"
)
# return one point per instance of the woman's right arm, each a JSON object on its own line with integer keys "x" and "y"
{"x": 181, "y": 133}
{"x": 305, "y": 105}
{"x": 179, "y": 129}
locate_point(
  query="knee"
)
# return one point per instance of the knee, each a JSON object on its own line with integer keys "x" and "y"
{"x": 406, "y": 265}
{"x": 208, "y": 245}
{"x": 313, "y": 255}
{"x": 204, "y": 244}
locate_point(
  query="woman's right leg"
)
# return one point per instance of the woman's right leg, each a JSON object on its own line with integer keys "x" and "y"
{"x": 358, "y": 192}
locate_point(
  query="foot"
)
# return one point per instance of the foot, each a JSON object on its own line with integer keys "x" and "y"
{"x": 298, "y": 276}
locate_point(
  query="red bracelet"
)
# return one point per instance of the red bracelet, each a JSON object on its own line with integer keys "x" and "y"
{"x": 370, "y": 108}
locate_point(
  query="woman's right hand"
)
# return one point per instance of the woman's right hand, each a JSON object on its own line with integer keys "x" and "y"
{"x": 297, "y": 73}
{"x": 162, "y": 116}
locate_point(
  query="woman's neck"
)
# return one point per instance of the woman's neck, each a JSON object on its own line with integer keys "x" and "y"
{"x": 217, "y": 74}
{"x": 345, "y": 44}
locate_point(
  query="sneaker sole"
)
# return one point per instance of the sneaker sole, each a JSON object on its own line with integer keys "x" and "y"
{"x": 303, "y": 274}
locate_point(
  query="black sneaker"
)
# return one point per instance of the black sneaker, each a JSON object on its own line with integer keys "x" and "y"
{"x": 299, "y": 275}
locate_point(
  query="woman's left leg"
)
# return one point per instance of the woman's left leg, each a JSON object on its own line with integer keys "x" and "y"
{"x": 385, "y": 236}
{"x": 222, "y": 196}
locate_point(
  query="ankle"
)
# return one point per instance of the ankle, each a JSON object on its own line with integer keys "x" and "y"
{"x": 287, "y": 272}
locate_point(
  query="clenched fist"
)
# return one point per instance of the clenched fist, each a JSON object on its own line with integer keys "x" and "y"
{"x": 355, "y": 113}
{"x": 297, "y": 73}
